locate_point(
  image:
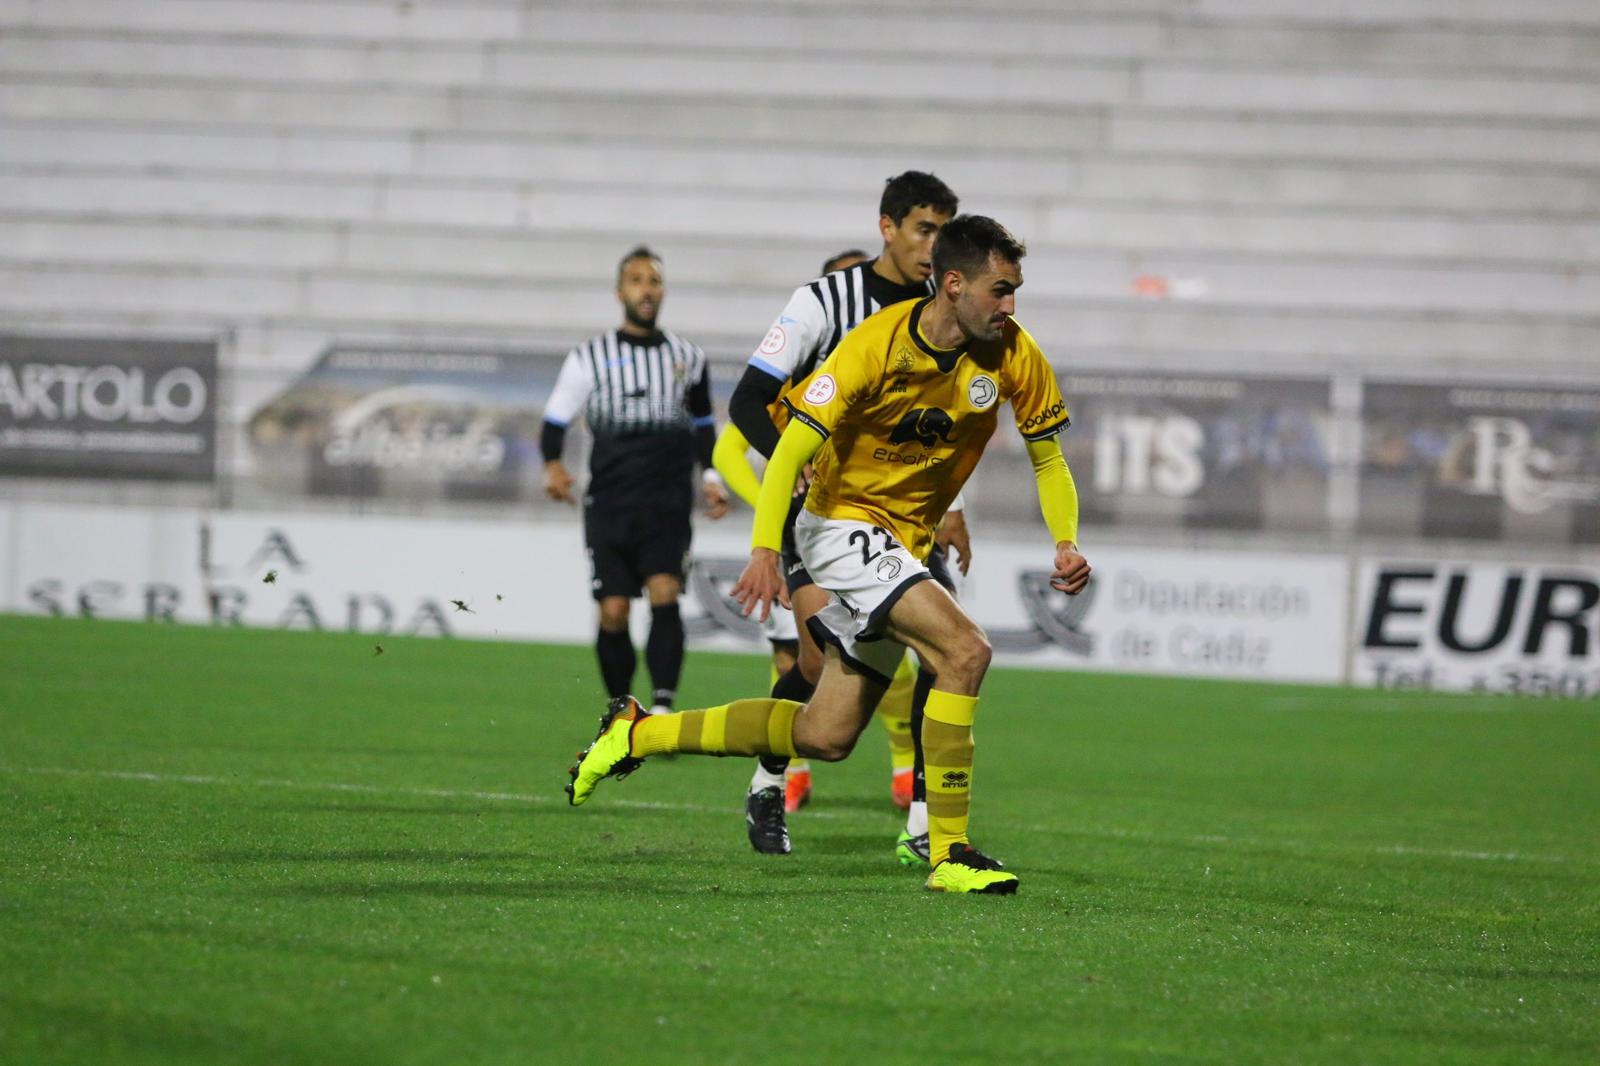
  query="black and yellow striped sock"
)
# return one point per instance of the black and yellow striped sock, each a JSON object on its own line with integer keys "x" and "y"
{"x": 947, "y": 747}
{"x": 762, "y": 726}
{"x": 894, "y": 711}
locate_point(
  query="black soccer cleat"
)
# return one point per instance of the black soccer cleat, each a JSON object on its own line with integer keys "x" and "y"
{"x": 763, "y": 817}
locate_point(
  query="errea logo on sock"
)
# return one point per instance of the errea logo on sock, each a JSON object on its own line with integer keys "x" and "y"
{"x": 956, "y": 779}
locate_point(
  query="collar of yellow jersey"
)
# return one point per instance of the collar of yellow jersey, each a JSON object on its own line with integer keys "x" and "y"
{"x": 944, "y": 358}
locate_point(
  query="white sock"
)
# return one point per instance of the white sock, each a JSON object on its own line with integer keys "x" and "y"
{"x": 763, "y": 778}
{"x": 917, "y": 818}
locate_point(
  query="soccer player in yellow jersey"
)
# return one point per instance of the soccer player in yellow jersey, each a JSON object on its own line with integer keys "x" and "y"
{"x": 894, "y": 422}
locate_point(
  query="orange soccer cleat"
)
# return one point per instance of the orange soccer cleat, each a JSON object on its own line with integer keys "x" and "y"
{"x": 900, "y": 788}
{"x": 796, "y": 788}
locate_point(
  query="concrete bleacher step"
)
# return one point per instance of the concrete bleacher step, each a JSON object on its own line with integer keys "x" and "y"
{"x": 303, "y": 52}
{"x": 1468, "y": 189}
{"x": 1140, "y": 234}
{"x": 1489, "y": 13}
{"x": 499, "y": 112}
{"x": 1299, "y": 136}
{"x": 1218, "y": 87}
{"x": 368, "y": 109}
{"x": 589, "y": 260}
{"x": 287, "y": 61}
{"x": 557, "y": 157}
{"x": 1407, "y": 46}
{"x": 1067, "y": 31}
{"x": 1316, "y": 335}
{"x": 816, "y": 77}
{"x": 570, "y": 67}
{"x": 729, "y": 208}
{"x": 472, "y": 20}
{"x": 1312, "y": 233}
{"x": 683, "y": 72}
{"x": 481, "y": 217}
{"x": 483, "y": 158}
{"x": 171, "y": 241}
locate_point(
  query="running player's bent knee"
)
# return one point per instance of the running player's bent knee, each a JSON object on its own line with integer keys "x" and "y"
{"x": 964, "y": 661}
{"x": 829, "y": 751}
{"x": 826, "y": 747}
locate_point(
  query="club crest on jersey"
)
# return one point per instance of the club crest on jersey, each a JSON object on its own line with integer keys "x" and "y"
{"x": 821, "y": 390}
{"x": 925, "y": 425}
{"x": 904, "y": 361}
{"x": 774, "y": 341}
{"x": 982, "y": 391}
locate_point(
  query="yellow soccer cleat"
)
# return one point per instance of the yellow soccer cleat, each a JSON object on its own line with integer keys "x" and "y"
{"x": 609, "y": 755}
{"x": 970, "y": 870}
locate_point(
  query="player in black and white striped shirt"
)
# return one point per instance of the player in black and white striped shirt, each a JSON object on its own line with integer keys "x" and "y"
{"x": 646, "y": 398}
{"x": 911, "y": 210}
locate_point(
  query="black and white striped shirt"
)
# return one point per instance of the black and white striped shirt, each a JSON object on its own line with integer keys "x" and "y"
{"x": 643, "y": 398}
{"x": 821, "y": 312}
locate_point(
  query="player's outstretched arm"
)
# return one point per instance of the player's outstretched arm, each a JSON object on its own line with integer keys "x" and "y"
{"x": 761, "y": 584}
{"x": 1058, "y": 499}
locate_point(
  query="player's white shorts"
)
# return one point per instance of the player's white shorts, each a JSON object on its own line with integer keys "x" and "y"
{"x": 780, "y": 624}
{"x": 865, "y": 572}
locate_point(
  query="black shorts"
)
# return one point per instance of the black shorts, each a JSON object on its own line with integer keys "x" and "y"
{"x": 940, "y": 569}
{"x": 794, "y": 571}
{"x": 627, "y": 546}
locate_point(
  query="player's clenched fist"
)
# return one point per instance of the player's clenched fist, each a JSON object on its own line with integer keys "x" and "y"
{"x": 761, "y": 584}
{"x": 1072, "y": 569}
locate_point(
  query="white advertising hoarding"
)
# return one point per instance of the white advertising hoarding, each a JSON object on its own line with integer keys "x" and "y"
{"x": 1208, "y": 614}
{"x": 1525, "y": 628}
{"x": 1166, "y": 611}
{"x": 375, "y": 575}
{"x": 1423, "y": 624}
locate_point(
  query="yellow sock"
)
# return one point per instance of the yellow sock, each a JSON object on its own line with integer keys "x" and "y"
{"x": 894, "y": 711}
{"x": 762, "y": 726}
{"x": 947, "y": 748}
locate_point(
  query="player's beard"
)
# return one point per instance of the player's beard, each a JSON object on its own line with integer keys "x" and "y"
{"x": 637, "y": 318}
{"x": 978, "y": 327}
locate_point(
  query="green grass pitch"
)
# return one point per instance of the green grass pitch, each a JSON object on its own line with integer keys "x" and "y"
{"x": 223, "y": 846}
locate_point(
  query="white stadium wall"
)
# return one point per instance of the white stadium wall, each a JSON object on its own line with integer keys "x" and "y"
{"x": 1435, "y": 624}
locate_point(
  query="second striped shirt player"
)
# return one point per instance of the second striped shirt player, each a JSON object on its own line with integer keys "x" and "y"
{"x": 647, "y": 401}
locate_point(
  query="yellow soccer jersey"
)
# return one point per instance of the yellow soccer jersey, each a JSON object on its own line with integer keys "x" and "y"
{"x": 905, "y": 423}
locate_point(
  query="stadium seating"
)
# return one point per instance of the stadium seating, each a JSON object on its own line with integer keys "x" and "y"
{"x": 1374, "y": 180}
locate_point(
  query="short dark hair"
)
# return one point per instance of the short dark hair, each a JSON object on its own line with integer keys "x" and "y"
{"x": 904, "y": 193}
{"x": 830, "y": 264}
{"x": 639, "y": 251}
{"x": 966, "y": 242}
